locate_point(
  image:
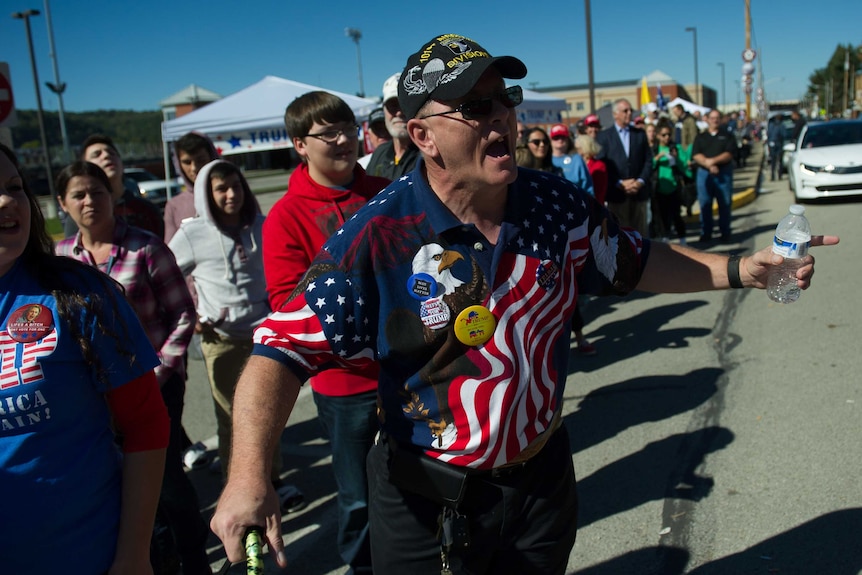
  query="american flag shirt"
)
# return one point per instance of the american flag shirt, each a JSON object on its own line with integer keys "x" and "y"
{"x": 391, "y": 286}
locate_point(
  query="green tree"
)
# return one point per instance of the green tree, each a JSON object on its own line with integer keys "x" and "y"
{"x": 125, "y": 127}
{"x": 829, "y": 85}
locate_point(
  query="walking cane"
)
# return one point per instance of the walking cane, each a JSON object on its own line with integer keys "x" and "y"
{"x": 253, "y": 541}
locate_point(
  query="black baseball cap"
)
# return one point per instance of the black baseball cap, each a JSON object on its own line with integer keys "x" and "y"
{"x": 375, "y": 116}
{"x": 446, "y": 68}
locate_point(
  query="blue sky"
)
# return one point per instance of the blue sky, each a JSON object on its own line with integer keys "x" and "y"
{"x": 119, "y": 55}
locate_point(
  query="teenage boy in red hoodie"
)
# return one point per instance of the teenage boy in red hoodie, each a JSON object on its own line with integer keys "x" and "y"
{"x": 323, "y": 192}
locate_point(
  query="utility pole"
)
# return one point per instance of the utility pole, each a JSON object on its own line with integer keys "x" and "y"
{"x": 25, "y": 16}
{"x": 355, "y": 34}
{"x": 699, "y": 98}
{"x": 846, "y": 73}
{"x": 748, "y": 47}
{"x": 723, "y": 99}
{"x": 591, "y": 80}
{"x": 57, "y": 87}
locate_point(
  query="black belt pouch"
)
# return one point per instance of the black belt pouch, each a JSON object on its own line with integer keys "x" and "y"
{"x": 410, "y": 470}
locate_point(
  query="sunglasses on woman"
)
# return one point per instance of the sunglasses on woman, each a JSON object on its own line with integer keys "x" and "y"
{"x": 482, "y": 107}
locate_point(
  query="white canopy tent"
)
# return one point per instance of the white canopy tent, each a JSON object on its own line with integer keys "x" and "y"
{"x": 538, "y": 108}
{"x": 252, "y": 120}
{"x": 689, "y": 107}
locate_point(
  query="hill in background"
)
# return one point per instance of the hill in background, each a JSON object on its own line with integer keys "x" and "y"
{"x": 137, "y": 134}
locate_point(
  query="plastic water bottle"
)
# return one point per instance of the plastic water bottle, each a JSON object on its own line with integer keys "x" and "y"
{"x": 792, "y": 237}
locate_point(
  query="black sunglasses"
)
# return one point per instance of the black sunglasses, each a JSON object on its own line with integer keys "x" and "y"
{"x": 331, "y": 136}
{"x": 479, "y": 108}
{"x": 539, "y": 142}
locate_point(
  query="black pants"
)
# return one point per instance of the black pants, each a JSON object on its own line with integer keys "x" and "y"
{"x": 178, "y": 499}
{"x": 669, "y": 206}
{"x": 775, "y": 161}
{"x": 522, "y": 523}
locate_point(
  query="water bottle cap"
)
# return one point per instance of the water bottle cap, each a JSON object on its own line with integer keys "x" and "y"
{"x": 797, "y": 209}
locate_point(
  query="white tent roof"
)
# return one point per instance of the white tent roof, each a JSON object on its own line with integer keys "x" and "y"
{"x": 689, "y": 107}
{"x": 253, "y": 118}
{"x": 539, "y": 108}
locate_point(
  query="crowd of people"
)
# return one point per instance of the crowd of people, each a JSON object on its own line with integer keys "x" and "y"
{"x": 649, "y": 168}
{"x": 432, "y": 323}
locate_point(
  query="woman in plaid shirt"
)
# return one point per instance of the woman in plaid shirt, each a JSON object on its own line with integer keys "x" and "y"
{"x": 154, "y": 285}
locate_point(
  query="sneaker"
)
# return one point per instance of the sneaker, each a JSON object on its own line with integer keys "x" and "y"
{"x": 290, "y": 497}
{"x": 196, "y": 456}
{"x": 587, "y": 348}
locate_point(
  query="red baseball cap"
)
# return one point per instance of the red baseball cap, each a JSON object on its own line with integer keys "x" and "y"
{"x": 592, "y": 120}
{"x": 558, "y": 130}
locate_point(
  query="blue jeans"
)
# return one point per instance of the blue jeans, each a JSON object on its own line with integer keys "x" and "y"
{"x": 350, "y": 422}
{"x": 720, "y": 188}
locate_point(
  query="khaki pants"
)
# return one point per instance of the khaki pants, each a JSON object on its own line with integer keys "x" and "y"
{"x": 632, "y": 214}
{"x": 225, "y": 359}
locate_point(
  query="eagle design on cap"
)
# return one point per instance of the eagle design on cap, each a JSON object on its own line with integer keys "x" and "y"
{"x": 457, "y": 46}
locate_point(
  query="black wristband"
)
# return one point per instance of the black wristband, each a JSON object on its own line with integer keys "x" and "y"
{"x": 733, "y": 272}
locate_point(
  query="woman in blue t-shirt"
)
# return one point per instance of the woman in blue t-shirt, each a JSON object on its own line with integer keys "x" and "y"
{"x": 76, "y": 381}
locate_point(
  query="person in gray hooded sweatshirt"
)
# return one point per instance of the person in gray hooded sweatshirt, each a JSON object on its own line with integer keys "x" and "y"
{"x": 221, "y": 250}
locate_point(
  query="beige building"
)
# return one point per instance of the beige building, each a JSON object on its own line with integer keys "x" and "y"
{"x": 187, "y": 100}
{"x": 577, "y": 96}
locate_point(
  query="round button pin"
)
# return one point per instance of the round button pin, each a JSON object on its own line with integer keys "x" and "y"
{"x": 434, "y": 313}
{"x": 29, "y": 323}
{"x": 475, "y": 325}
{"x": 421, "y": 286}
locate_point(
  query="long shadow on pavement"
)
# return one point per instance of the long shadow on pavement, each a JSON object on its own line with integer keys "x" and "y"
{"x": 631, "y": 337}
{"x": 825, "y": 544}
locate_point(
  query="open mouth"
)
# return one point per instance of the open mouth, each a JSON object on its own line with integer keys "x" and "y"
{"x": 498, "y": 148}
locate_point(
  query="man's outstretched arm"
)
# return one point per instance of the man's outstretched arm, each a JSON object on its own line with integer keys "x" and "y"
{"x": 264, "y": 398}
{"x": 676, "y": 269}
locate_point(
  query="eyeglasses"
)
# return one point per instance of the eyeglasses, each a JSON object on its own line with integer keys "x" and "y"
{"x": 538, "y": 142}
{"x": 625, "y": 111}
{"x": 479, "y": 108}
{"x": 331, "y": 136}
{"x": 664, "y": 135}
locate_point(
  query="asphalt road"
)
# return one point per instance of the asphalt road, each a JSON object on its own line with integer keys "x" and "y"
{"x": 713, "y": 433}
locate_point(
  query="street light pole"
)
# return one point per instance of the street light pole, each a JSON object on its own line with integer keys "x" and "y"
{"x": 26, "y": 17}
{"x": 723, "y": 99}
{"x": 57, "y": 87}
{"x": 355, "y": 34}
{"x": 591, "y": 80}
{"x": 693, "y": 29}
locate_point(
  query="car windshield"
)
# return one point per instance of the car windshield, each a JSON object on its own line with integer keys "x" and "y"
{"x": 832, "y": 134}
{"x": 140, "y": 175}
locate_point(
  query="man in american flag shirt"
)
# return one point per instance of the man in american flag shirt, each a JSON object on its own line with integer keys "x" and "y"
{"x": 460, "y": 280}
